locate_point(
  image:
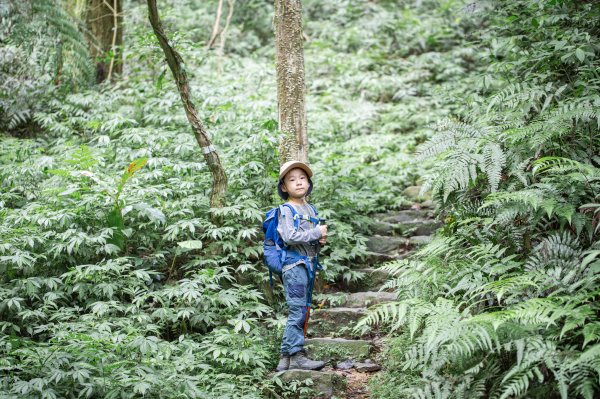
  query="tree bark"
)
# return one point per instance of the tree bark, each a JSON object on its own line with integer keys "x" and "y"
{"x": 175, "y": 62}
{"x": 291, "y": 89}
{"x": 104, "y": 19}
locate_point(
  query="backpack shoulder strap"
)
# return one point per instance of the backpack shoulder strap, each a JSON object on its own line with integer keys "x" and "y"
{"x": 291, "y": 208}
{"x": 310, "y": 218}
{"x": 294, "y": 214}
{"x": 313, "y": 208}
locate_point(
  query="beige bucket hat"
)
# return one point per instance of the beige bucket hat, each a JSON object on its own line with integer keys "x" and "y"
{"x": 286, "y": 167}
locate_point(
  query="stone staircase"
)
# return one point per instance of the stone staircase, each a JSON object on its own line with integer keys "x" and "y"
{"x": 330, "y": 338}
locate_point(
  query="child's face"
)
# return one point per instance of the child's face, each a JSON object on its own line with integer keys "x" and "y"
{"x": 295, "y": 183}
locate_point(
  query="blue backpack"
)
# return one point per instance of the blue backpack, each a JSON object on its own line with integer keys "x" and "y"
{"x": 274, "y": 249}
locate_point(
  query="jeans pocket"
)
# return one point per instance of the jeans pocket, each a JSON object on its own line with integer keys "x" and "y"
{"x": 296, "y": 291}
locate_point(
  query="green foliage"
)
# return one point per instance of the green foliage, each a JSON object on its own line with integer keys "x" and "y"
{"x": 503, "y": 303}
{"x": 114, "y": 284}
{"x": 43, "y": 55}
{"x": 119, "y": 286}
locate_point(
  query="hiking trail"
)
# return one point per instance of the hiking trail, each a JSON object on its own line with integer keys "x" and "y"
{"x": 352, "y": 359}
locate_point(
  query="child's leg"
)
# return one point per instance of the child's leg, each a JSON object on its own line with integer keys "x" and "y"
{"x": 295, "y": 282}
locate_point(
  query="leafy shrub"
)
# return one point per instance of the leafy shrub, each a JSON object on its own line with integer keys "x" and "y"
{"x": 503, "y": 303}
{"x": 43, "y": 55}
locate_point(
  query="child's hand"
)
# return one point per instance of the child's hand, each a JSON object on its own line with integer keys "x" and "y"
{"x": 323, "y": 241}
{"x": 323, "y": 228}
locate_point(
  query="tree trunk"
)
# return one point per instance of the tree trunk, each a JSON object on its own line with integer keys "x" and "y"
{"x": 104, "y": 19}
{"x": 219, "y": 179}
{"x": 290, "y": 80}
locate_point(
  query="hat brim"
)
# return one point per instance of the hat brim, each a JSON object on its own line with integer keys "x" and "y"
{"x": 293, "y": 165}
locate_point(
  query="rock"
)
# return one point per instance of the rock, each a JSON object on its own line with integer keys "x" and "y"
{"x": 416, "y": 227}
{"x": 427, "y": 228}
{"x": 365, "y": 299}
{"x": 406, "y": 255}
{"x": 372, "y": 278}
{"x": 411, "y": 215}
{"x": 385, "y": 244}
{"x": 328, "y": 349}
{"x": 367, "y": 366}
{"x": 412, "y": 193}
{"x": 337, "y": 322}
{"x": 428, "y": 204}
{"x": 327, "y": 383}
{"x": 383, "y": 228}
{"x": 419, "y": 240}
{"x": 374, "y": 258}
{"x": 376, "y": 276}
{"x": 345, "y": 365}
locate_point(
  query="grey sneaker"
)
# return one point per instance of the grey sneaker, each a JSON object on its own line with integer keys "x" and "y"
{"x": 300, "y": 361}
{"x": 284, "y": 363}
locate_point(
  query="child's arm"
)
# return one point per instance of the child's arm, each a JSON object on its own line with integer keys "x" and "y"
{"x": 291, "y": 236}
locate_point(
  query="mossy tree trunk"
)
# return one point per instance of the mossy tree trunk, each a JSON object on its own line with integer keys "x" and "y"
{"x": 219, "y": 178}
{"x": 104, "y": 19}
{"x": 291, "y": 89}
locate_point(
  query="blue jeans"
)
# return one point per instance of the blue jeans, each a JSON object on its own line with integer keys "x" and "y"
{"x": 295, "y": 286}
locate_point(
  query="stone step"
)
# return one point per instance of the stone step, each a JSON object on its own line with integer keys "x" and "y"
{"x": 417, "y": 241}
{"x": 367, "y": 298}
{"x": 373, "y": 279}
{"x": 335, "y": 322}
{"x": 407, "y": 229}
{"x": 337, "y": 349}
{"x": 387, "y": 244}
{"x": 420, "y": 227}
{"x": 374, "y": 258}
{"x": 388, "y": 248}
{"x": 361, "y": 299}
{"x": 409, "y": 215}
{"x": 413, "y": 193}
{"x": 327, "y": 383}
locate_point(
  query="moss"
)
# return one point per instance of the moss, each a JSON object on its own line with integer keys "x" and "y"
{"x": 336, "y": 350}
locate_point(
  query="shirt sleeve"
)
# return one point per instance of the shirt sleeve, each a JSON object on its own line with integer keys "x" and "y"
{"x": 285, "y": 228}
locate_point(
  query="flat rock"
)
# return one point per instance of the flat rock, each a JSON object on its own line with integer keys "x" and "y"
{"x": 328, "y": 349}
{"x": 420, "y": 240}
{"x": 409, "y": 215}
{"x": 384, "y": 228}
{"x": 425, "y": 229}
{"x": 365, "y": 299}
{"x": 413, "y": 193}
{"x": 409, "y": 228}
{"x": 374, "y": 258}
{"x": 386, "y": 244}
{"x": 374, "y": 278}
{"x": 345, "y": 365}
{"x": 367, "y": 367}
{"x": 327, "y": 383}
{"x": 337, "y": 322}
{"x": 428, "y": 204}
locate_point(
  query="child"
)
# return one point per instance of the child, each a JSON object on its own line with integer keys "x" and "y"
{"x": 294, "y": 185}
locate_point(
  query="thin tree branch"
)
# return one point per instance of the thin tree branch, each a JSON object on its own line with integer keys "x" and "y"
{"x": 216, "y": 27}
{"x": 114, "y": 38}
{"x": 230, "y": 4}
{"x": 175, "y": 62}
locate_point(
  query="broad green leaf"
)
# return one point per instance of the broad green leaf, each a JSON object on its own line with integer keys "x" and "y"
{"x": 191, "y": 244}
